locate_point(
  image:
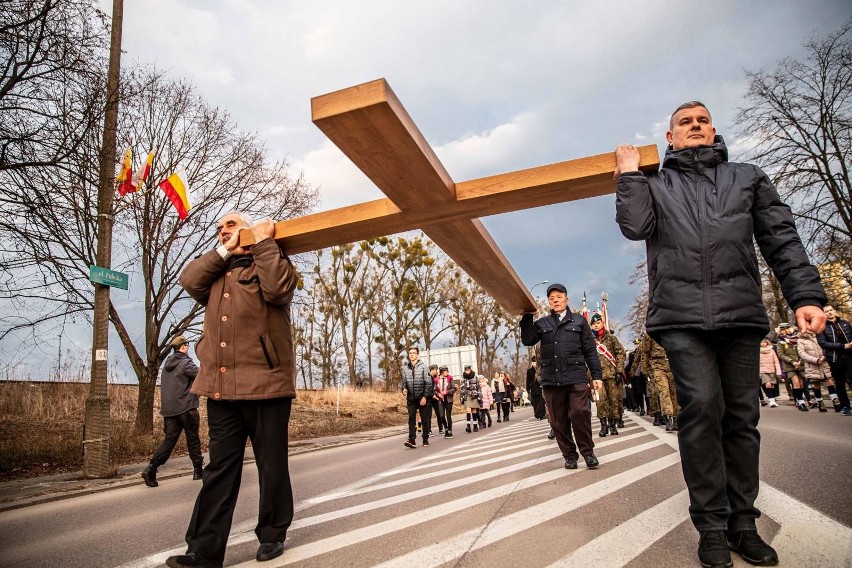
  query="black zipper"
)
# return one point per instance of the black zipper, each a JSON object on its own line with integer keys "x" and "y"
{"x": 702, "y": 230}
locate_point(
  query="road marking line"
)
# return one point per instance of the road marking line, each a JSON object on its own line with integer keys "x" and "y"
{"x": 447, "y": 486}
{"x": 508, "y": 525}
{"x": 806, "y": 537}
{"x": 586, "y": 494}
{"x": 632, "y": 537}
{"x": 456, "y": 469}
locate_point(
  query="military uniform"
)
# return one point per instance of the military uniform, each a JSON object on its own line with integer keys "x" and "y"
{"x": 609, "y": 404}
{"x": 653, "y": 358}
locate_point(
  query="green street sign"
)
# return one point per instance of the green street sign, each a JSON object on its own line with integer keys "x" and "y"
{"x": 108, "y": 277}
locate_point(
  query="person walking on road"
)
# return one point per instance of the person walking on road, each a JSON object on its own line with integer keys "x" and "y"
{"x": 446, "y": 393}
{"x": 534, "y": 388}
{"x": 567, "y": 351}
{"x": 817, "y": 369}
{"x": 770, "y": 371}
{"x": 487, "y": 402}
{"x": 699, "y": 217}
{"x": 247, "y": 372}
{"x": 836, "y": 343}
{"x": 179, "y": 409}
{"x": 417, "y": 385}
{"x": 471, "y": 398}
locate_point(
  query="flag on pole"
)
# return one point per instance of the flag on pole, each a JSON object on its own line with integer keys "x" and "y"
{"x": 584, "y": 310}
{"x": 125, "y": 174}
{"x": 176, "y": 188}
{"x": 143, "y": 173}
{"x": 604, "y": 314}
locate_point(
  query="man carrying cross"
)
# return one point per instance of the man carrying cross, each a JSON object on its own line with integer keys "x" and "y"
{"x": 699, "y": 217}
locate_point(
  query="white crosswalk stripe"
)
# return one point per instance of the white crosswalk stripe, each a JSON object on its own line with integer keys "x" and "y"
{"x": 396, "y": 518}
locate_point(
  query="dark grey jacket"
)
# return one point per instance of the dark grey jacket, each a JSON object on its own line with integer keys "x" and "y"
{"x": 699, "y": 217}
{"x": 417, "y": 380}
{"x": 567, "y": 348}
{"x": 175, "y": 380}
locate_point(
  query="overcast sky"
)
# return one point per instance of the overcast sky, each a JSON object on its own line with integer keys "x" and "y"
{"x": 493, "y": 85}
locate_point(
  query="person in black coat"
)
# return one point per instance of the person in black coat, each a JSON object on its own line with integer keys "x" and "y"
{"x": 567, "y": 351}
{"x": 534, "y": 390}
{"x": 699, "y": 217}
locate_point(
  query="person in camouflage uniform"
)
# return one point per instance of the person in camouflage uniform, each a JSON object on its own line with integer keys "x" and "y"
{"x": 653, "y": 358}
{"x": 612, "y": 364}
{"x": 791, "y": 363}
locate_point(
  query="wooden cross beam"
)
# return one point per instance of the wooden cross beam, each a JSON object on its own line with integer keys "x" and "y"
{"x": 369, "y": 124}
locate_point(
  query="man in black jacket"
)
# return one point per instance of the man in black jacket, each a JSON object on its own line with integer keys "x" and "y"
{"x": 836, "y": 343}
{"x": 179, "y": 408}
{"x": 567, "y": 350}
{"x": 699, "y": 217}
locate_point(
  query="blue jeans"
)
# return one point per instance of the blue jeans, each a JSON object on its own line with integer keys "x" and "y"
{"x": 718, "y": 381}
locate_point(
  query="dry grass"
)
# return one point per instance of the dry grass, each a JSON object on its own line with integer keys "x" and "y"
{"x": 41, "y": 424}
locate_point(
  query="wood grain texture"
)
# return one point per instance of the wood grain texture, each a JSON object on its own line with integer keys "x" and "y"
{"x": 372, "y": 128}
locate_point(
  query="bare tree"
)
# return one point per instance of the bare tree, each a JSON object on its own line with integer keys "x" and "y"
{"x": 797, "y": 123}
{"x": 50, "y": 52}
{"x": 56, "y": 219}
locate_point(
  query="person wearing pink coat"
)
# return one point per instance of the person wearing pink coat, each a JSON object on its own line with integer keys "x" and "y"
{"x": 770, "y": 370}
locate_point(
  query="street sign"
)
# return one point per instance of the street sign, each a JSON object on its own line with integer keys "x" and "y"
{"x": 108, "y": 277}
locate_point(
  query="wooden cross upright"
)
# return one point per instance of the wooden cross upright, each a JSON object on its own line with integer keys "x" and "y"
{"x": 369, "y": 124}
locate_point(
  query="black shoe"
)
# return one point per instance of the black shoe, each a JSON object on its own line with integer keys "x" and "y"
{"x": 620, "y": 423}
{"x": 448, "y": 434}
{"x": 552, "y": 435}
{"x": 713, "y": 551}
{"x": 669, "y": 424}
{"x": 836, "y": 403}
{"x": 467, "y": 429}
{"x": 269, "y": 550}
{"x": 675, "y": 427}
{"x": 570, "y": 464}
{"x": 197, "y": 472}
{"x": 476, "y": 427}
{"x": 591, "y": 461}
{"x": 657, "y": 419}
{"x": 604, "y": 428}
{"x": 612, "y": 429}
{"x": 150, "y": 475}
{"x": 641, "y": 413}
{"x": 752, "y": 548}
{"x": 410, "y": 444}
{"x": 190, "y": 559}
{"x": 499, "y": 420}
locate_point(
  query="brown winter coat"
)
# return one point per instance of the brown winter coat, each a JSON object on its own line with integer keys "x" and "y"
{"x": 246, "y": 350}
{"x": 810, "y": 352}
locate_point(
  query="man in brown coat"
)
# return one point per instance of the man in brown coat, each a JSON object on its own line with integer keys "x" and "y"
{"x": 247, "y": 374}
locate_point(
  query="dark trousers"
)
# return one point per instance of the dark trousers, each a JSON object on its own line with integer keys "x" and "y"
{"x": 425, "y": 418}
{"x": 570, "y": 410}
{"x": 638, "y": 384}
{"x": 842, "y": 373}
{"x": 439, "y": 414}
{"x": 231, "y": 423}
{"x": 485, "y": 417}
{"x": 447, "y": 412}
{"x": 718, "y": 385}
{"x": 537, "y": 401}
{"x": 172, "y": 426}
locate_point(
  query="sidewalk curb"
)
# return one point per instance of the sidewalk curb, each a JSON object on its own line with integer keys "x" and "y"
{"x": 23, "y": 493}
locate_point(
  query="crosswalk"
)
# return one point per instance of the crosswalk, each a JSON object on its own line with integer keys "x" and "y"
{"x": 503, "y": 497}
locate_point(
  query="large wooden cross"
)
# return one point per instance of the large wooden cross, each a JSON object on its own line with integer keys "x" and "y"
{"x": 369, "y": 124}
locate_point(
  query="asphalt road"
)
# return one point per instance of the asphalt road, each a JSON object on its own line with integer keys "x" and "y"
{"x": 495, "y": 498}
